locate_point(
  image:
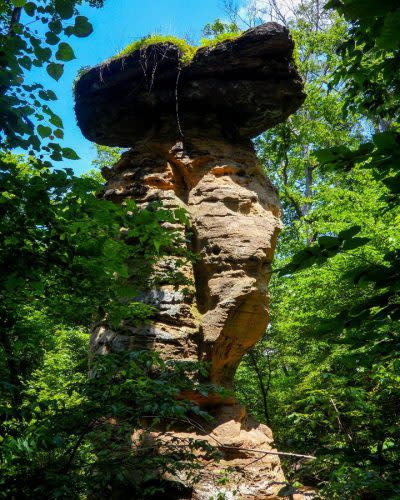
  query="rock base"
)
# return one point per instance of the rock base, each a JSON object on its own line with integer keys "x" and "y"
{"x": 244, "y": 471}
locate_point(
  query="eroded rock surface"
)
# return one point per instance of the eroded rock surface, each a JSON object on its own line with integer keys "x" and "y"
{"x": 234, "y": 213}
{"x": 191, "y": 129}
{"x": 237, "y": 89}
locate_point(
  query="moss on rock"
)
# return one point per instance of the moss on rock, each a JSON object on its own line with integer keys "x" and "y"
{"x": 188, "y": 51}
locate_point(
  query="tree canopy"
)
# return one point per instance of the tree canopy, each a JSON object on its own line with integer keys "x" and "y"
{"x": 326, "y": 375}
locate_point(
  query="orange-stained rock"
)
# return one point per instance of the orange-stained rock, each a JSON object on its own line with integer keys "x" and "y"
{"x": 190, "y": 128}
{"x": 234, "y": 215}
{"x": 252, "y": 474}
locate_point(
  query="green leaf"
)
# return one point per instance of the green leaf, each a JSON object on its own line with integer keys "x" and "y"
{"x": 70, "y": 154}
{"x": 65, "y": 52}
{"x": 47, "y": 95}
{"x": 385, "y": 140}
{"x": 42, "y": 53}
{"x": 44, "y": 131}
{"x": 389, "y": 37}
{"x": 56, "y": 156}
{"x": 30, "y": 8}
{"x": 59, "y": 133}
{"x": 331, "y": 154}
{"x": 55, "y": 26}
{"x": 393, "y": 183}
{"x": 18, "y": 3}
{"x": 7, "y": 196}
{"x": 51, "y": 95}
{"x": 52, "y": 38}
{"x": 65, "y": 8}
{"x": 82, "y": 27}
{"x": 25, "y": 62}
{"x": 55, "y": 70}
{"x": 56, "y": 121}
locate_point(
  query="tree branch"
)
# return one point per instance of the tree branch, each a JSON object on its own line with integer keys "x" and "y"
{"x": 15, "y": 17}
{"x": 264, "y": 390}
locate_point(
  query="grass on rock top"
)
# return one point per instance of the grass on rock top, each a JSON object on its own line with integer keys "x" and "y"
{"x": 188, "y": 51}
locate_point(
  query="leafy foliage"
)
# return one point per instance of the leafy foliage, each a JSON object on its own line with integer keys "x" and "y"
{"x": 69, "y": 260}
{"x": 329, "y": 362}
{"x": 326, "y": 376}
{"x": 370, "y": 56}
{"x": 74, "y": 437}
{"x": 66, "y": 263}
{"x": 25, "y": 115}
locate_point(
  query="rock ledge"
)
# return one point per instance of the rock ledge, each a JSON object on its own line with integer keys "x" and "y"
{"x": 236, "y": 89}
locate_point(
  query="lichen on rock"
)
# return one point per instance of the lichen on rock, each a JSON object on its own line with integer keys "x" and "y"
{"x": 190, "y": 130}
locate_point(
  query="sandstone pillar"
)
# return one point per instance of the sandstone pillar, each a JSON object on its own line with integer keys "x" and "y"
{"x": 190, "y": 128}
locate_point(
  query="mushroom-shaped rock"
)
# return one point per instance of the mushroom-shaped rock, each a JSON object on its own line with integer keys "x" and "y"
{"x": 190, "y": 126}
{"x": 235, "y": 89}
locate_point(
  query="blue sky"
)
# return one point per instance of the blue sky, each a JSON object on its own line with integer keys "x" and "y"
{"x": 115, "y": 25}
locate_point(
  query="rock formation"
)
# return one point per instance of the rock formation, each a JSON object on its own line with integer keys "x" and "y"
{"x": 190, "y": 128}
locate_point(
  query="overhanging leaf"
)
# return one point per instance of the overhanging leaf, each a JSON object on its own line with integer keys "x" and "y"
{"x": 52, "y": 38}
{"x": 44, "y": 131}
{"x": 56, "y": 121}
{"x": 82, "y": 27}
{"x": 349, "y": 233}
{"x": 55, "y": 70}
{"x": 353, "y": 243}
{"x": 65, "y": 52}
{"x": 30, "y": 8}
{"x": 65, "y": 8}
{"x": 25, "y": 62}
{"x": 55, "y": 26}
{"x": 70, "y": 154}
{"x": 389, "y": 37}
{"x": 385, "y": 140}
{"x": 47, "y": 95}
{"x": 328, "y": 241}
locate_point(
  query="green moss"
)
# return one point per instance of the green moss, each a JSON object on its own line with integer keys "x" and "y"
{"x": 188, "y": 51}
{"x": 211, "y": 42}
